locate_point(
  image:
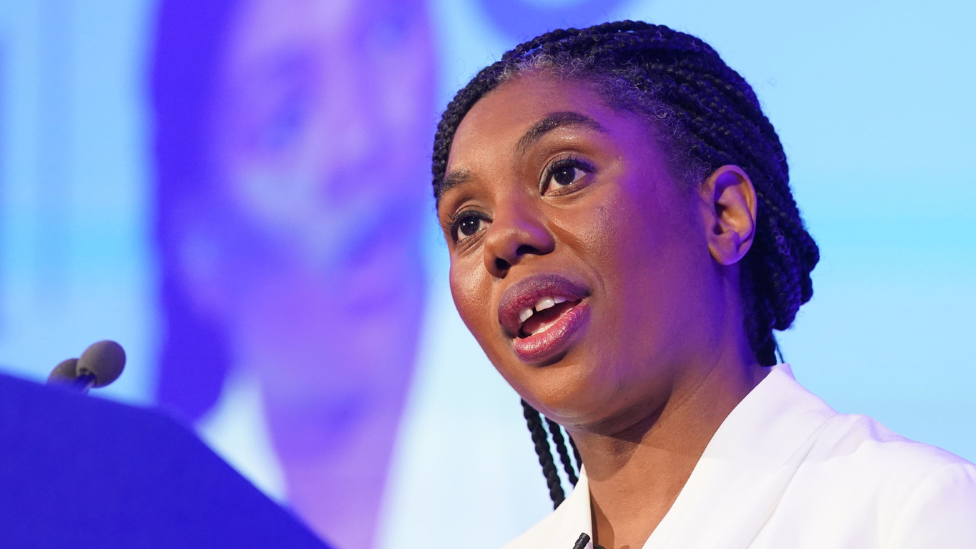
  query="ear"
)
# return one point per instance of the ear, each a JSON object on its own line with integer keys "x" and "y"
{"x": 729, "y": 213}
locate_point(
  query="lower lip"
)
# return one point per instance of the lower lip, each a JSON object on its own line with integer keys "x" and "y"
{"x": 556, "y": 339}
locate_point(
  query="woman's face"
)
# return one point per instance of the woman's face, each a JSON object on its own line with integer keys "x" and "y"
{"x": 578, "y": 262}
{"x": 320, "y": 124}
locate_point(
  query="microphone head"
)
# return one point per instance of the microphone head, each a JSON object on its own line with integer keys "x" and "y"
{"x": 65, "y": 372}
{"x": 104, "y": 360}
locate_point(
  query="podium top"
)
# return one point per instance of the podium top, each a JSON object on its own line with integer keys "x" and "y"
{"x": 78, "y": 471}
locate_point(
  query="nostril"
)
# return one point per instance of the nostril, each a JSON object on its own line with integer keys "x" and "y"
{"x": 501, "y": 264}
{"x": 525, "y": 249}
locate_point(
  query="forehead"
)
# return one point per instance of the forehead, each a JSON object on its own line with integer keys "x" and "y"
{"x": 263, "y": 28}
{"x": 499, "y": 119}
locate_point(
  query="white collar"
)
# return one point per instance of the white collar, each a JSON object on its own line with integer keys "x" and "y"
{"x": 762, "y": 440}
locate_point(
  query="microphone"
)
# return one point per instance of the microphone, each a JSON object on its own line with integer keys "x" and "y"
{"x": 100, "y": 364}
{"x": 582, "y": 541}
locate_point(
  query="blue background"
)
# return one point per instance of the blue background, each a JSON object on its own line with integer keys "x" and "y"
{"x": 873, "y": 102}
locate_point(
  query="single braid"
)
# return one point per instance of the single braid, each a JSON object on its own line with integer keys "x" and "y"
{"x": 707, "y": 116}
{"x": 541, "y": 439}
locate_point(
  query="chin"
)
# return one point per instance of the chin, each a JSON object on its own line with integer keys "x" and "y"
{"x": 570, "y": 391}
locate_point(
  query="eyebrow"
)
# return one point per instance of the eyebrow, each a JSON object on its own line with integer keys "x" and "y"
{"x": 453, "y": 179}
{"x": 552, "y": 121}
{"x": 555, "y": 120}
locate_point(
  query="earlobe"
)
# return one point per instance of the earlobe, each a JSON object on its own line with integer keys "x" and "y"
{"x": 729, "y": 201}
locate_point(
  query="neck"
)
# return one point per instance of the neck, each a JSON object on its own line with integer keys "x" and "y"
{"x": 636, "y": 473}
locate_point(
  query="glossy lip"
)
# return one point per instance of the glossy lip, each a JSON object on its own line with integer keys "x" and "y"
{"x": 525, "y": 293}
{"x": 556, "y": 339}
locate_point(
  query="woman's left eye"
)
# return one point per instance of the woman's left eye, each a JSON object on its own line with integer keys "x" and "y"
{"x": 564, "y": 173}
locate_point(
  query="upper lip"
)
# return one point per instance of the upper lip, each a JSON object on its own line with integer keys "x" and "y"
{"x": 526, "y": 292}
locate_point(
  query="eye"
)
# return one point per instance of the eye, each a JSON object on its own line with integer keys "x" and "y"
{"x": 468, "y": 224}
{"x": 563, "y": 173}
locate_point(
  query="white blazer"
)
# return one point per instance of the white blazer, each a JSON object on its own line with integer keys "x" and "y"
{"x": 785, "y": 470}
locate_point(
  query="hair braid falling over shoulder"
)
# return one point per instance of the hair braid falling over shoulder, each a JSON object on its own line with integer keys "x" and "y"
{"x": 541, "y": 440}
{"x": 557, "y": 437}
{"x": 706, "y": 116}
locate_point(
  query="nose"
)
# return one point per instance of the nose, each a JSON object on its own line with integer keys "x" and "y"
{"x": 517, "y": 231}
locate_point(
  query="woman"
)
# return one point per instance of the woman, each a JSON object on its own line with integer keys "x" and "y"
{"x": 289, "y": 139}
{"x": 623, "y": 241}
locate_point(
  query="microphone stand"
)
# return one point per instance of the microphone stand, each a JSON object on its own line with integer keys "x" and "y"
{"x": 84, "y": 382}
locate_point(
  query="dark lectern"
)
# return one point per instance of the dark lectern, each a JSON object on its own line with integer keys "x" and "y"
{"x": 82, "y": 472}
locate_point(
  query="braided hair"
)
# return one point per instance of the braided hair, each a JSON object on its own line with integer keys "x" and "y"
{"x": 706, "y": 116}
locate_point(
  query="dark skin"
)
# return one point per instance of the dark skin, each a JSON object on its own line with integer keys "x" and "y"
{"x": 662, "y": 357}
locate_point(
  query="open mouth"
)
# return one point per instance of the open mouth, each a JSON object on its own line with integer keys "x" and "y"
{"x": 543, "y": 315}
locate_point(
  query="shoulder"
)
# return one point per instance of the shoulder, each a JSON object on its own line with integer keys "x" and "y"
{"x": 941, "y": 510}
{"x": 852, "y": 447}
{"x": 859, "y": 443}
{"x": 915, "y": 495}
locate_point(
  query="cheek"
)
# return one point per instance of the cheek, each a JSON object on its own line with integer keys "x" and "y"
{"x": 619, "y": 237}
{"x": 470, "y": 289}
{"x": 643, "y": 244}
{"x": 661, "y": 255}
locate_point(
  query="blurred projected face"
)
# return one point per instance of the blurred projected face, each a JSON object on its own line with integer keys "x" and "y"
{"x": 321, "y": 122}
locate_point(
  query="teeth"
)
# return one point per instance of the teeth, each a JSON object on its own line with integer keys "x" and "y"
{"x": 544, "y": 304}
{"x": 539, "y": 306}
{"x": 543, "y": 328}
